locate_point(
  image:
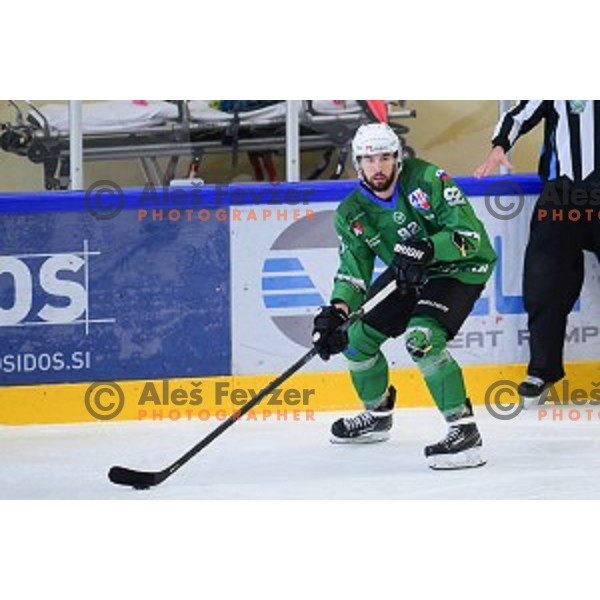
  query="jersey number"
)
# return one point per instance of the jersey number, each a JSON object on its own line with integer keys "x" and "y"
{"x": 408, "y": 232}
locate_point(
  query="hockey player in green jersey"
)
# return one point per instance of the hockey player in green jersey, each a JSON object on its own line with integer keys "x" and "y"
{"x": 411, "y": 215}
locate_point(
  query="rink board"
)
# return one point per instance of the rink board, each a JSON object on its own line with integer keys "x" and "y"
{"x": 302, "y": 396}
{"x": 225, "y": 298}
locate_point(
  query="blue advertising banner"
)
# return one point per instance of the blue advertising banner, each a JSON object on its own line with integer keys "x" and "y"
{"x": 83, "y": 299}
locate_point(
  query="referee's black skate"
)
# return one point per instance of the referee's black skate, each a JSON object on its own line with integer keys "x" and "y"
{"x": 461, "y": 448}
{"x": 532, "y": 391}
{"x": 370, "y": 426}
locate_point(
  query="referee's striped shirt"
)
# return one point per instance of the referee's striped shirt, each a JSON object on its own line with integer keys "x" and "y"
{"x": 571, "y": 147}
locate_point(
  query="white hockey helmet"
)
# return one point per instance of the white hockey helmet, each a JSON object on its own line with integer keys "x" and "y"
{"x": 375, "y": 138}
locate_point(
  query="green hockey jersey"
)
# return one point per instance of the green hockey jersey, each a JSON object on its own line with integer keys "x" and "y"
{"x": 426, "y": 203}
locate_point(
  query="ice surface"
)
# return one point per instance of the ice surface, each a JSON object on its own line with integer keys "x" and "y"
{"x": 271, "y": 459}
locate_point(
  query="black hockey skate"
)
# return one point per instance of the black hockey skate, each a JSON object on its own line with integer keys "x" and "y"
{"x": 461, "y": 448}
{"x": 369, "y": 426}
{"x": 532, "y": 391}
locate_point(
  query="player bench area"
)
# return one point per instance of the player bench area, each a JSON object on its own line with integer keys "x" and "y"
{"x": 150, "y": 130}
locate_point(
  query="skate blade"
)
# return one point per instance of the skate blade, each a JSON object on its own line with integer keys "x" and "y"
{"x": 369, "y": 438}
{"x": 531, "y": 402}
{"x": 469, "y": 459}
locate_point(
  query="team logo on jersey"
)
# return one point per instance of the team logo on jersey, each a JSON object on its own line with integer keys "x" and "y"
{"x": 419, "y": 199}
{"x": 441, "y": 174}
{"x": 465, "y": 240}
{"x": 577, "y": 106}
{"x": 357, "y": 228}
{"x": 399, "y": 218}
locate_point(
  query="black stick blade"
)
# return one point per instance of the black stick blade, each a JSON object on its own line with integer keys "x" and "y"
{"x": 140, "y": 480}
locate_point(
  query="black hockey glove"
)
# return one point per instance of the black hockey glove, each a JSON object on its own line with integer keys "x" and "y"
{"x": 410, "y": 262}
{"x": 327, "y": 339}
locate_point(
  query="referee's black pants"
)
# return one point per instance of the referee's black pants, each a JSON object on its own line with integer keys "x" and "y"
{"x": 553, "y": 273}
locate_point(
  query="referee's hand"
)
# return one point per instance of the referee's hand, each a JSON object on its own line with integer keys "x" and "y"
{"x": 496, "y": 157}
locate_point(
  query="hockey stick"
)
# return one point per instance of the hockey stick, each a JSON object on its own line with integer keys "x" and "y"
{"x": 144, "y": 479}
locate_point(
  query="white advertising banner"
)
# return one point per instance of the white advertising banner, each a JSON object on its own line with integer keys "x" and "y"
{"x": 282, "y": 271}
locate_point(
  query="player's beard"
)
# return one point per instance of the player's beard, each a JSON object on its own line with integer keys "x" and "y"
{"x": 382, "y": 185}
